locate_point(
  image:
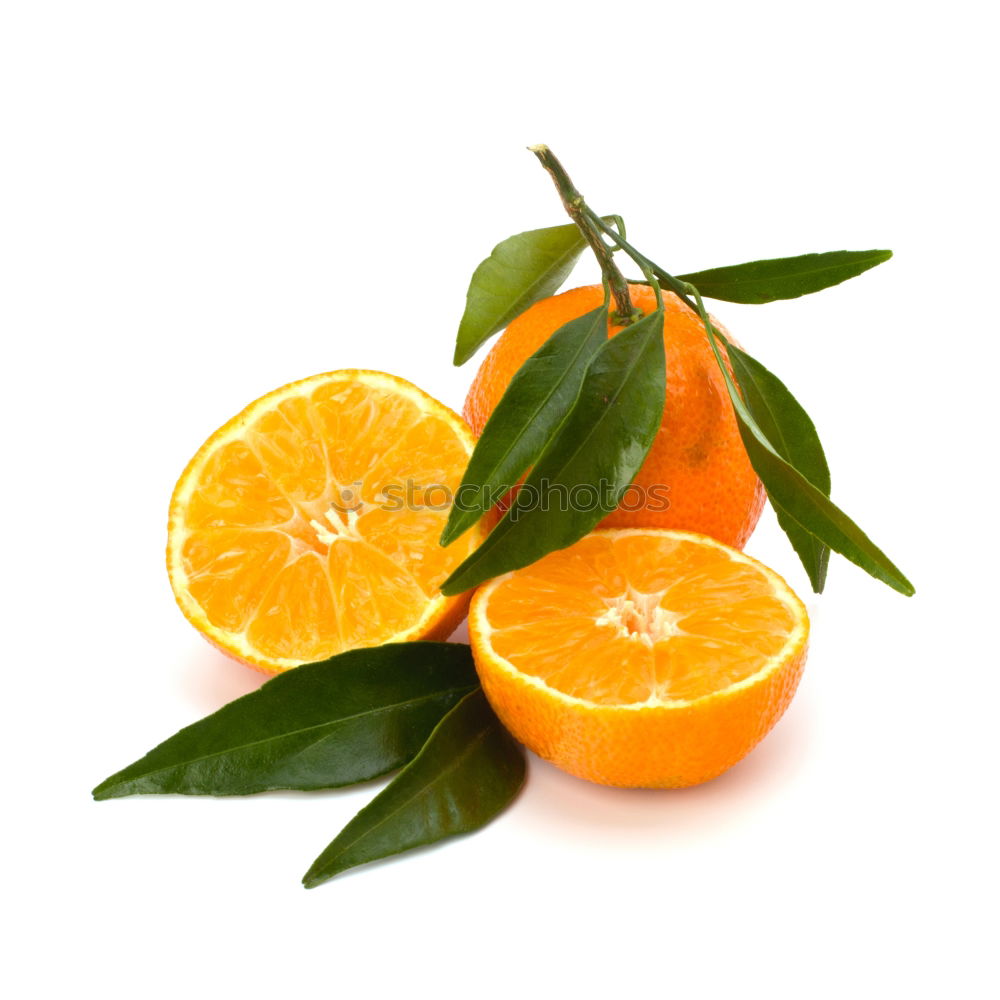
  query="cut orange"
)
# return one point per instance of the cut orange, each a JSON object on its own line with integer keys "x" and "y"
{"x": 640, "y": 657}
{"x": 308, "y": 524}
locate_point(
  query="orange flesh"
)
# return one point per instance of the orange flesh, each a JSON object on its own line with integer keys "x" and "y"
{"x": 635, "y": 619}
{"x": 297, "y": 535}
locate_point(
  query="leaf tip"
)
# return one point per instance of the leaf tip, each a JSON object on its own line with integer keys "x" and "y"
{"x": 316, "y": 876}
{"x": 106, "y": 790}
{"x": 898, "y": 582}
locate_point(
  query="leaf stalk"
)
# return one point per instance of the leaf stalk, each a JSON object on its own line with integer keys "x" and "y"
{"x": 577, "y": 209}
{"x": 653, "y": 273}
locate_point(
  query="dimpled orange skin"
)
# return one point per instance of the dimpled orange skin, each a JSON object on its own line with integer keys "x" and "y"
{"x": 697, "y": 454}
{"x": 632, "y": 748}
{"x": 671, "y": 744}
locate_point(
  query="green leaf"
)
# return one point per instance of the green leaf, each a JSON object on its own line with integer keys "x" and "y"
{"x": 791, "y": 432}
{"x": 518, "y": 272}
{"x": 761, "y": 281}
{"x": 469, "y": 771}
{"x": 816, "y": 513}
{"x": 320, "y": 725}
{"x": 794, "y": 495}
{"x": 600, "y": 447}
{"x": 813, "y": 554}
{"x": 530, "y": 411}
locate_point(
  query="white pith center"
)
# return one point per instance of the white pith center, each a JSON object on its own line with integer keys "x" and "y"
{"x": 339, "y": 524}
{"x": 639, "y": 617}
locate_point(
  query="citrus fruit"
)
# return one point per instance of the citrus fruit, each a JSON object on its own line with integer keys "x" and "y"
{"x": 640, "y": 657}
{"x": 697, "y": 475}
{"x": 308, "y": 524}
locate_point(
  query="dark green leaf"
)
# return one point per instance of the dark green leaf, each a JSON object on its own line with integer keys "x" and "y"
{"x": 812, "y": 553}
{"x": 791, "y": 432}
{"x": 589, "y": 463}
{"x": 519, "y": 272}
{"x": 469, "y": 770}
{"x": 320, "y": 725}
{"x": 781, "y": 417}
{"x": 761, "y": 281}
{"x": 529, "y": 413}
{"x": 796, "y": 497}
{"x": 800, "y": 500}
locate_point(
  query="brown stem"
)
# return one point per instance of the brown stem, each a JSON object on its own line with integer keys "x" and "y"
{"x": 575, "y": 207}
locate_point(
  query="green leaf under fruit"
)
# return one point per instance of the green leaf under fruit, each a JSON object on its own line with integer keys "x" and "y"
{"x": 793, "y": 494}
{"x": 530, "y": 411}
{"x": 469, "y": 771}
{"x": 518, "y": 273}
{"x": 761, "y": 281}
{"x": 791, "y": 432}
{"x": 321, "y": 725}
{"x": 600, "y": 446}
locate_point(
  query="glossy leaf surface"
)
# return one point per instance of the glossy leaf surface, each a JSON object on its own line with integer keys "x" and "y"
{"x": 791, "y": 432}
{"x": 518, "y": 272}
{"x": 761, "y": 281}
{"x": 795, "y": 496}
{"x": 529, "y": 413}
{"x": 590, "y": 462}
{"x": 340, "y": 721}
{"x": 470, "y": 770}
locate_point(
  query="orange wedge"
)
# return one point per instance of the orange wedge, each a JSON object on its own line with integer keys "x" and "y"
{"x": 640, "y": 657}
{"x": 309, "y": 523}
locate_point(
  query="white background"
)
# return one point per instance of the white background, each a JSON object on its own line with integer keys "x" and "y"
{"x": 203, "y": 201}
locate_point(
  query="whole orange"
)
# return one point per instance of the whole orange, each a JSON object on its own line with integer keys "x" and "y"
{"x": 697, "y": 476}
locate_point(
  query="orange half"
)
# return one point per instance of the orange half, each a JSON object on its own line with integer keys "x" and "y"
{"x": 640, "y": 657}
{"x": 309, "y": 523}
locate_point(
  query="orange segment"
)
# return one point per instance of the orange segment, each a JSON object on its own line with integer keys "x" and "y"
{"x": 640, "y": 657}
{"x": 574, "y": 581}
{"x": 297, "y": 619}
{"x": 617, "y": 671}
{"x": 378, "y": 594}
{"x": 233, "y": 489}
{"x": 425, "y": 466}
{"x": 290, "y": 450}
{"x": 358, "y": 421}
{"x": 230, "y": 569}
{"x": 409, "y": 538}
{"x": 308, "y": 524}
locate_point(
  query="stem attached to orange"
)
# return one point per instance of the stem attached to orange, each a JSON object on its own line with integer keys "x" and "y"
{"x": 625, "y": 313}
